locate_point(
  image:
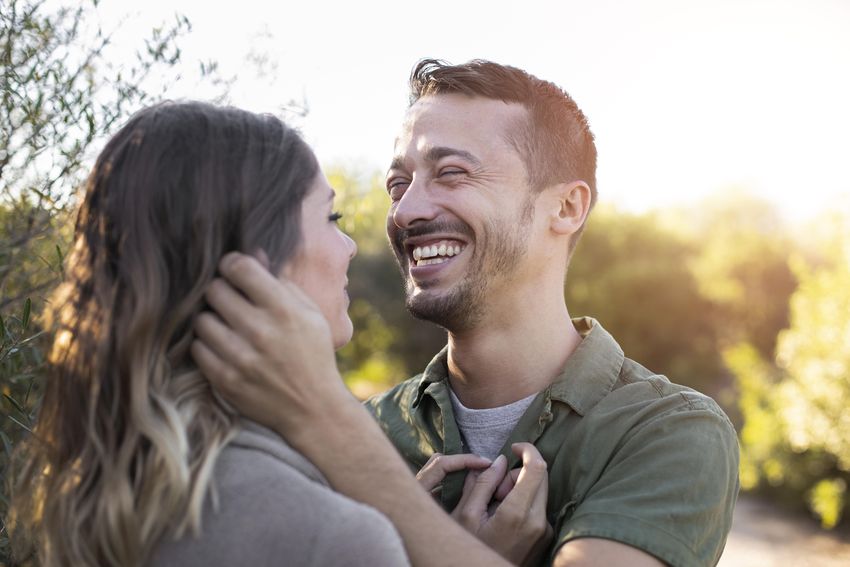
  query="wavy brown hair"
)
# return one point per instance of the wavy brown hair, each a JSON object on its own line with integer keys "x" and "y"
{"x": 129, "y": 430}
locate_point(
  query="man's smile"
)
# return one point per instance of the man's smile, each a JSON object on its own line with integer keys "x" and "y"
{"x": 436, "y": 252}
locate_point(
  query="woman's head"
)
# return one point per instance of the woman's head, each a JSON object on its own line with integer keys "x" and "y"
{"x": 129, "y": 430}
{"x": 183, "y": 183}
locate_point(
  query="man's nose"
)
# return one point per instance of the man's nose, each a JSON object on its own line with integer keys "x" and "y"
{"x": 417, "y": 204}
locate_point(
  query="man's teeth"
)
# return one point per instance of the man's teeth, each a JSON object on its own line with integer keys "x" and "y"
{"x": 435, "y": 253}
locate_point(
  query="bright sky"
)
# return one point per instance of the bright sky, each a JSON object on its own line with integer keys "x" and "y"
{"x": 685, "y": 97}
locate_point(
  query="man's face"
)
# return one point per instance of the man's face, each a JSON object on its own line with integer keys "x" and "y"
{"x": 460, "y": 207}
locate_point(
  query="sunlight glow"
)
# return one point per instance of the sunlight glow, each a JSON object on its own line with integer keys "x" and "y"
{"x": 685, "y": 98}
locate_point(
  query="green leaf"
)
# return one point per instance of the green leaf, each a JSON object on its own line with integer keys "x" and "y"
{"x": 30, "y": 338}
{"x": 29, "y": 390}
{"x": 25, "y": 318}
{"x": 19, "y": 423}
{"x": 7, "y": 443}
{"x": 15, "y": 403}
{"x": 2, "y": 330}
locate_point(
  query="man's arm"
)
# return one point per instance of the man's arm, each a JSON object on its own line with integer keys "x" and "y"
{"x": 596, "y": 552}
{"x": 667, "y": 489}
{"x": 271, "y": 355}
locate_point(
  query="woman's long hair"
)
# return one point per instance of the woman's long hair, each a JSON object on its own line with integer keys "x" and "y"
{"x": 129, "y": 431}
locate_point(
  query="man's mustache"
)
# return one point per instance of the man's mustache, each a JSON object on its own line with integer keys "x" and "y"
{"x": 424, "y": 229}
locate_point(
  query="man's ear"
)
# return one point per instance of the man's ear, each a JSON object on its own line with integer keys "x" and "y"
{"x": 570, "y": 207}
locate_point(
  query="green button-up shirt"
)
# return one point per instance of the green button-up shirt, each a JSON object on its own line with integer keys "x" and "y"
{"x": 631, "y": 456}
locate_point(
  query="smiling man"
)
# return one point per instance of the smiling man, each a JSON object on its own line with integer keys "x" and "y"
{"x": 492, "y": 181}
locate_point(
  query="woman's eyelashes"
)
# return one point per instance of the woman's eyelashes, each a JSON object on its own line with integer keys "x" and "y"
{"x": 335, "y": 216}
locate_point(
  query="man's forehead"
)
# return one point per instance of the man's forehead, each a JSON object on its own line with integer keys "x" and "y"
{"x": 456, "y": 121}
{"x": 460, "y": 106}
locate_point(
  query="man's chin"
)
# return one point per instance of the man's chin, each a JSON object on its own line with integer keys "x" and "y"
{"x": 453, "y": 311}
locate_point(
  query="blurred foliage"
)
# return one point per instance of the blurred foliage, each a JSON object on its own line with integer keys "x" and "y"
{"x": 631, "y": 273}
{"x": 60, "y": 94}
{"x": 826, "y": 499}
{"x": 21, "y": 362}
{"x": 795, "y": 439}
{"x": 742, "y": 267}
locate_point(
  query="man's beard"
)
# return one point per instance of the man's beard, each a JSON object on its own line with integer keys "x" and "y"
{"x": 463, "y": 307}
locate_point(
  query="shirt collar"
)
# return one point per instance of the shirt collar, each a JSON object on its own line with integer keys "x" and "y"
{"x": 588, "y": 376}
{"x": 591, "y": 370}
{"x": 435, "y": 373}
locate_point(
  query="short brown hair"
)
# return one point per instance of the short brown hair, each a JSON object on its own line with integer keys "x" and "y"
{"x": 556, "y": 145}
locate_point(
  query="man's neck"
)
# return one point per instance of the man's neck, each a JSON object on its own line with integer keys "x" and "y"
{"x": 511, "y": 356}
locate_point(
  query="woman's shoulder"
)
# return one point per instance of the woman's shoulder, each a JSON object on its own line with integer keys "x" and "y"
{"x": 271, "y": 506}
{"x": 255, "y": 452}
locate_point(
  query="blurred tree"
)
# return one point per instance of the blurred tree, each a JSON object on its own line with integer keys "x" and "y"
{"x": 59, "y": 93}
{"x": 631, "y": 273}
{"x": 742, "y": 266}
{"x": 795, "y": 434}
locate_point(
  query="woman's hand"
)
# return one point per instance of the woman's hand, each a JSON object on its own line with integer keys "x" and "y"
{"x": 267, "y": 346}
{"x": 504, "y": 509}
{"x": 507, "y": 509}
{"x": 431, "y": 475}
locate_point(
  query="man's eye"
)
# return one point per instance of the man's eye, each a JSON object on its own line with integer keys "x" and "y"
{"x": 396, "y": 188}
{"x": 451, "y": 171}
{"x": 334, "y": 217}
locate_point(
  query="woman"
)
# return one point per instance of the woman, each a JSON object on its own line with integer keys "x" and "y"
{"x": 134, "y": 460}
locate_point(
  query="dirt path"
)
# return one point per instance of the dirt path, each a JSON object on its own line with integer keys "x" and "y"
{"x": 764, "y": 537}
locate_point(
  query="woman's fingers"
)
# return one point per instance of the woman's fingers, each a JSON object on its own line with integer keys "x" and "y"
{"x": 262, "y": 288}
{"x": 519, "y": 524}
{"x": 227, "y": 344}
{"x": 531, "y": 480}
{"x": 207, "y": 361}
{"x": 249, "y": 276}
{"x": 233, "y": 307}
{"x": 264, "y": 309}
{"x": 472, "y": 509}
{"x": 439, "y": 465}
{"x": 507, "y": 484}
{"x": 221, "y": 375}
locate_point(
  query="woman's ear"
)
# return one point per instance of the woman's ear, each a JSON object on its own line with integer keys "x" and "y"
{"x": 570, "y": 207}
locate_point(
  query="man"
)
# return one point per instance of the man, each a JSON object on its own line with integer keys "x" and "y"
{"x": 492, "y": 180}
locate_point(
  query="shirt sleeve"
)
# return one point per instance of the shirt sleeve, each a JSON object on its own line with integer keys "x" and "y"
{"x": 669, "y": 489}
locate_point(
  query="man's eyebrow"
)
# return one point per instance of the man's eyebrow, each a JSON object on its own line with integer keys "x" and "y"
{"x": 436, "y": 153}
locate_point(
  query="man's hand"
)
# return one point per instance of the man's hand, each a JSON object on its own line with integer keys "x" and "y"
{"x": 507, "y": 509}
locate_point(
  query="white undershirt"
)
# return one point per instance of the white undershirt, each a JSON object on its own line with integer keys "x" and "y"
{"x": 486, "y": 430}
